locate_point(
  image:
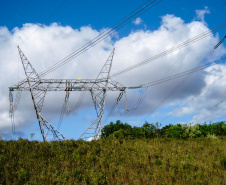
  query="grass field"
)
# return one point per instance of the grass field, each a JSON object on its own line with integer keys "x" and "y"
{"x": 114, "y": 161}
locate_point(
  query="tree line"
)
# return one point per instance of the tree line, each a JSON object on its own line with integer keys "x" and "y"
{"x": 121, "y": 130}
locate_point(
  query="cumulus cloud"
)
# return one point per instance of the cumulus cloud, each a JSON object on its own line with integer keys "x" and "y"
{"x": 51, "y": 43}
{"x": 201, "y": 14}
{"x": 137, "y": 21}
{"x": 210, "y": 103}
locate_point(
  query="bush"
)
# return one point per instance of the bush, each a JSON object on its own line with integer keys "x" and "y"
{"x": 176, "y": 131}
{"x": 112, "y": 127}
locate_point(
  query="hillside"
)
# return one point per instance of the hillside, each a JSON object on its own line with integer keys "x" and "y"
{"x": 115, "y": 161}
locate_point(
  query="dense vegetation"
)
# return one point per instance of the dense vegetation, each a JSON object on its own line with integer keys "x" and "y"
{"x": 121, "y": 130}
{"x": 118, "y": 160}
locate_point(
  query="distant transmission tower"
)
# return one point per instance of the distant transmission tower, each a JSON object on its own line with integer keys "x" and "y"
{"x": 38, "y": 87}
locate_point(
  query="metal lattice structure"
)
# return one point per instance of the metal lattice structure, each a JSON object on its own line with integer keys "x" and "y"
{"x": 98, "y": 88}
{"x": 38, "y": 88}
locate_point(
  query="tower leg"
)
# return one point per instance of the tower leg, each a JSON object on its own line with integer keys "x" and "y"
{"x": 38, "y": 97}
{"x": 94, "y": 130}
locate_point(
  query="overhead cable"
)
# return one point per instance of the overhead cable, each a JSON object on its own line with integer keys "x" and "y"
{"x": 134, "y": 14}
{"x": 171, "y": 50}
{"x": 183, "y": 73}
{"x": 189, "y": 75}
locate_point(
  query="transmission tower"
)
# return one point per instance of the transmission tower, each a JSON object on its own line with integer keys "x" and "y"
{"x": 38, "y": 88}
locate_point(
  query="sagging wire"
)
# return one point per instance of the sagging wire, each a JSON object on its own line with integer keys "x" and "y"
{"x": 11, "y": 113}
{"x": 217, "y": 45}
{"x": 14, "y": 104}
{"x": 189, "y": 73}
{"x": 146, "y": 86}
{"x": 79, "y": 101}
{"x": 114, "y": 106}
{"x": 66, "y": 110}
{"x": 180, "y": 75}
{"x": 63, "y": 110}
{"x": 13, "y": 107}
{"x": 137, "y": 105}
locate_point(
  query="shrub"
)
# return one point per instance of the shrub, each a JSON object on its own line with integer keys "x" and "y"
{"x": 191, "y": 131}
{"x": 175, "y": 131}
{"x": 112, "y": 127}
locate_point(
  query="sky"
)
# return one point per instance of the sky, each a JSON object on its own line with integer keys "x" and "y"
{"x": 47, "y": 32}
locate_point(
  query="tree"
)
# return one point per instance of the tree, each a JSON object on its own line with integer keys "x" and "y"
{"x": 112, "y": 127}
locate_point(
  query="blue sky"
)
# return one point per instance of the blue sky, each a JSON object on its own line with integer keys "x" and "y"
{"x": 101, "y": 14}
{"x": 49, "y": 30}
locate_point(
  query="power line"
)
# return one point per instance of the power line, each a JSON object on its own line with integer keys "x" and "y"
{"x": 75, "y": 108}
{"x": 171, "y": 50}
{"x": 137, "y": 104}
{"x": 190, "y": 71}
{"x": 182, "y": 73}
{"x": 199, "y": 67}
{"x": 137, "y": 12}
{"x": 147, "y": 85}
{"x": 166, "y": 117}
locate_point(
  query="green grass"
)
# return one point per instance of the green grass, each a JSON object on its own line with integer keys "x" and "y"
{"x": 115, "y": 161}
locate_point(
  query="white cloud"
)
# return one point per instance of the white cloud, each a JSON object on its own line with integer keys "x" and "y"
{"x": 51, "y": 43}
{"x": 201, "y": 14}
{"x": 210, "y": 103}
{"x": 137, "y": 21}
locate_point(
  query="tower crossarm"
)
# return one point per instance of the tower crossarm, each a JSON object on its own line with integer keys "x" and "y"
{"x": 67, "y": 85}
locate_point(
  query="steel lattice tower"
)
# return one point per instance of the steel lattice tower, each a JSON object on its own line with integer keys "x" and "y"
{"x": 38, "y": 88}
